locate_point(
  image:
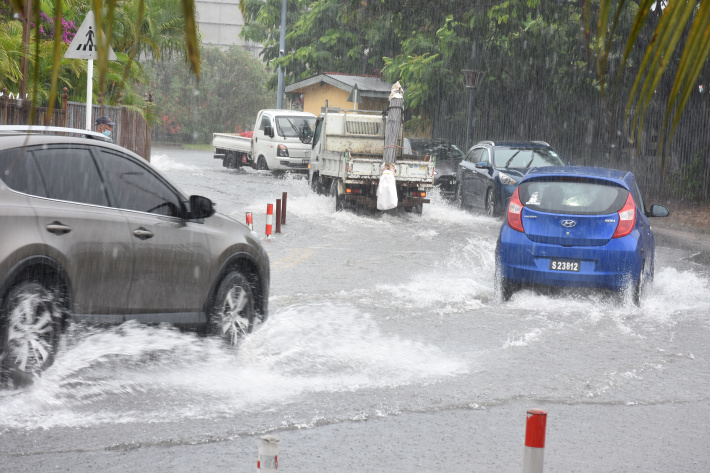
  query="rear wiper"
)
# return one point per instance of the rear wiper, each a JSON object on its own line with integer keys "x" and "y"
{"x": 511, "y": 158}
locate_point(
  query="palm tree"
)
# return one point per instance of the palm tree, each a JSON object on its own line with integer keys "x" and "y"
{"x": 683, "y": 26}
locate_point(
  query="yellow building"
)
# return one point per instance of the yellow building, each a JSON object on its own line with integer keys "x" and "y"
{"x": 340, "y": 90}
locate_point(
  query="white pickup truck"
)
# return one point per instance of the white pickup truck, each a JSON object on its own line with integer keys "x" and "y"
{"x": 275, "y": 144}
{"x": 347, "y": 162}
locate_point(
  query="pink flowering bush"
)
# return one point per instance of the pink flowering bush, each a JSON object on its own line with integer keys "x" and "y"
{"x": 47, "y": 29}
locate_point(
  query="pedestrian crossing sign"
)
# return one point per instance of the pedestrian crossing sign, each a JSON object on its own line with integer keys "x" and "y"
{"x": 85, "y": 44}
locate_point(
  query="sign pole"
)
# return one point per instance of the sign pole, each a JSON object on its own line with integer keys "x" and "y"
{"x": 84, "y": 47}
{"x": 89, "y": 92}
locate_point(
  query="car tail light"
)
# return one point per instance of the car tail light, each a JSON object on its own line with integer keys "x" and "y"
{"x": 282, "y": 151}
{"x": 515, "y": 208}
{"x": 627, "y": 218}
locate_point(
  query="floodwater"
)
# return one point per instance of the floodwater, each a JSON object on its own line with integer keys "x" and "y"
{"x": 385, "y": 350}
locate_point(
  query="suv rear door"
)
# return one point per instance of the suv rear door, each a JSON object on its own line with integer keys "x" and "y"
{"x": 81, "y": 231}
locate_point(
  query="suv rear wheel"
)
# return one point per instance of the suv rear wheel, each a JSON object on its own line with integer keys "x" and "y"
{"x": 31, "y": 321}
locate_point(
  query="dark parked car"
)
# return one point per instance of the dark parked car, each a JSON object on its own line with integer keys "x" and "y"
{"x": 91, "y": 232}
{"x": 490, "y": 172}
{"x": 577, "y": 227}
{"x": 447, "y": 157}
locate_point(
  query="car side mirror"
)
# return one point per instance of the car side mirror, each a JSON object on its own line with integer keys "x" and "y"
{"x": 659, "y": 211}
{"x": 483, "y": 165}
{"x": 269, "y": 131}
{"x": 306, "y": 134}
{"x": 200, "y": 207}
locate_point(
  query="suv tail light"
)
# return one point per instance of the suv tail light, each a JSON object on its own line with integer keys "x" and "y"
{"x": 515, "y": 207}
{"x": 627, "y": 218}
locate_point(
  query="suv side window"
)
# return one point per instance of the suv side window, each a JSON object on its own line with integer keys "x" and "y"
{"x": 477, "y": 154}
{"x": 135, "y": 187}
{"x": 19, "y": 172}
{"x": 70, "y": 174}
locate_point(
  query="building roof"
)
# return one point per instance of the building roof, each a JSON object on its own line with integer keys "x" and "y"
{"x": 368, "y": 86}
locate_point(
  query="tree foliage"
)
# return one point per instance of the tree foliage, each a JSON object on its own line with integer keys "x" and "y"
{"x": 231, "y": 90}
{"x": 134, "y": 28}
{"x": 527, "y": 48}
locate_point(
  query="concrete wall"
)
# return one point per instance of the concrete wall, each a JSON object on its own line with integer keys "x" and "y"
{"x": 221, "y": 22}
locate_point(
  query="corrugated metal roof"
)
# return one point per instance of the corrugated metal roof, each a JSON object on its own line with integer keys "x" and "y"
{"x": 368, "y": 86}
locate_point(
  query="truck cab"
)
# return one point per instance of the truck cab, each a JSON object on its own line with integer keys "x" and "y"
{"x": 276, "y": 144}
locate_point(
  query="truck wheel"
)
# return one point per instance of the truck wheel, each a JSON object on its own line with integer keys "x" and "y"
{"x": 261, "y": 164}
{"x": 417, "y": 209}
{"x": 317, "y": 184}
{"x": 231, "y": 159}
{"x": 339, "y": 200}
{"x": 225, "y": 161}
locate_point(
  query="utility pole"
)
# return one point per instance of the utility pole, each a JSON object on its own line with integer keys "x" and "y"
{"x": 282, "y": 51}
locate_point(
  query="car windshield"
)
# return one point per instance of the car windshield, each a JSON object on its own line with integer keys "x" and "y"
{"x": 441, "y": 150}
{"x": 526, "y": 158}
{"x": 291, "y": 126}
{"x": 572, "y": 196}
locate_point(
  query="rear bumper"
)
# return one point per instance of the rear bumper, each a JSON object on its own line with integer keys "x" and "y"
{"x": 611, "y": 266}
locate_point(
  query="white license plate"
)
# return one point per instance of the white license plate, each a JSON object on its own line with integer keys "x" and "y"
{"x": 564, "y": 265}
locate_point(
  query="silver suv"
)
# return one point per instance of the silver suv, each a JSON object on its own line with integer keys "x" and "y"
{"x": 91, "y": 232}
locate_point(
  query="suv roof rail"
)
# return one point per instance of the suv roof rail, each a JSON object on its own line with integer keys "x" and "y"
{"x": 54, "y": 130}
{"x": 541, "y": 142}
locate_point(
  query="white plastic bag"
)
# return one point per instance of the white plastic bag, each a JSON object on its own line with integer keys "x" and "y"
{"x": 387, "y": 191}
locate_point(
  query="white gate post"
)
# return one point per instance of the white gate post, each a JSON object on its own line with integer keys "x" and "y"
{"x": 268, "y": 460}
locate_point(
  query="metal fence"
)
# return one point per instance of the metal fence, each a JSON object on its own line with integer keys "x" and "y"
{"x": 131, "y": 130}
{"x": 585, "y": 135}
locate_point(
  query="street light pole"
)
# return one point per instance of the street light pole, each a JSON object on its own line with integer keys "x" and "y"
{"x": 469, "y": 119}
{"x": 282, "y": 50}
{"x": 470, "y": 83}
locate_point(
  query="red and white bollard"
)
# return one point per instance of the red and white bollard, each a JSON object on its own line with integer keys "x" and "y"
{"x": 269, "y": 219}
{"x": 534, "y": 456}
{"x": 250, "y": 221}
{"x": 268, "y": 460}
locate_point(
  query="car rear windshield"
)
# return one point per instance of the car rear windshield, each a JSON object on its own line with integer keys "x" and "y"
{"x": 526, "y": 158}
{"x": 573, "y": 196}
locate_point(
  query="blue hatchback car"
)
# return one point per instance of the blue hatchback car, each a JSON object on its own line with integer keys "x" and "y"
{"x": 576, "y": 226}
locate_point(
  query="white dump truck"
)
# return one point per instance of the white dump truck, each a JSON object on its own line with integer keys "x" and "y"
{"x": 275, "y": 143}
{"x": 346, "y": 161}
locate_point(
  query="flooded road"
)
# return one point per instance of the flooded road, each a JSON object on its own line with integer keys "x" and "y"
{"x": 385, "y": 349}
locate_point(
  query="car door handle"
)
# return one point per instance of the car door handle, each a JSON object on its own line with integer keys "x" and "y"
{"x": 142, "y": 234}
{"x": 58, "y": 228}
